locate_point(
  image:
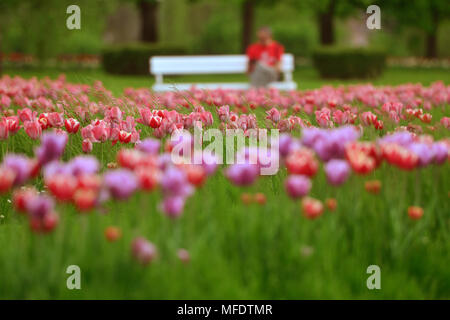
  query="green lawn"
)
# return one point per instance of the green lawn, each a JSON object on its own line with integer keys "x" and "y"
{"x": 239, "y": 251}
{"x": 306, "y": 78}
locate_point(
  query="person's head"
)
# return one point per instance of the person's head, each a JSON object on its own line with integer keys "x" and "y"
{"x": 264, "y": 34}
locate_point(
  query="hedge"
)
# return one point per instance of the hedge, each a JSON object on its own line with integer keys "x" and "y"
{"x": 346, "y": 63}
{"x": 134, "y": 59}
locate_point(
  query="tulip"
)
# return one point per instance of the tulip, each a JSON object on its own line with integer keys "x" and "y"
{"x": 302, "y": 162}
{"x": 52, "y": 147}
{"x": 246, "y": 198}
{"x": 45, "y": 223}
{"x": 183, "y": 255}
{"x": 22, "y": 197}
{"x": 86, "y": 146}
{"x": 143, "y": 251}
{"x": 148, "y": 178}
{"x": 260, "y": 198}
{"x": 112, "y": 233}
{"x": 196, "y": 175}
{"x": 120, "y": 183}
{"x": 33, "y": 129}
{"x": 297, "y": 186}
{"x": 20, "y": 165}
{"x": 331, "y": 204}
{"x": 415, "y": 213}
{"x": 312, "y": 208}
{"x": 62, "y": 186}
{"x": 72, "y": 125}
{"x": 373, "y": 186}
{"x": 242, "y": 174}
{"x": 85, "y": 199}
{"x": 337, "y": 171}
{"x": 173, "y": 206}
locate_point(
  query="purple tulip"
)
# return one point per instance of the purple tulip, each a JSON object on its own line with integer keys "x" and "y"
{"x": 84, "y": 165}
{"x": 52, "y": 146}
{"x": 329, "y": 143}
{"x": 425, "y": 152}
{"x": 297, "y": 185}
{"x": 149, "y": 145}
{"x": 20, "y": 165}
{"x": 173, "y": 206}
{"x": 174, "y": 182}
{"x": 120, "y": 183}
{"x": 337, "y": 171}
{"x": 39, "y": 206}
{"x": 440, "y": 152}
{"x": 403, "y": 138}
{"x": 209, "y": 162}
{"x": 242, "y": 174}
{"x": 285, "y": 144}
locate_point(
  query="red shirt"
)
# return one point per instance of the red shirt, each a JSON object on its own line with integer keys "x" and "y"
{"x": 268, "y": 54}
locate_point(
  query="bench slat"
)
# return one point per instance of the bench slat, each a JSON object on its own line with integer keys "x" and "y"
{"x": 211, "y": 86}
{"x": 221, "y": 64}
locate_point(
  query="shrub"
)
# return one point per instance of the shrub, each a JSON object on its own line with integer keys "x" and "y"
{"x": 345, "y": 63}
{"x": 134, "y": 59}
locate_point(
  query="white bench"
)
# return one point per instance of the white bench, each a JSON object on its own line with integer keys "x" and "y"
{"x": 221, "y": 64}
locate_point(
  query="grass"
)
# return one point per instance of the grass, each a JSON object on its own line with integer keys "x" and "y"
{"x": 238, "y": 251}
{"x": 306, "y": 78}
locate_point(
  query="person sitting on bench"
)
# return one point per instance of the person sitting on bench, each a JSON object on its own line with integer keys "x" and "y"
{"x": 264, "y": 59}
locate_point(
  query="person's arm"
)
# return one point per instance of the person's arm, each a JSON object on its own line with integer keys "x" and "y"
{"x": 250, "y": 60}
{"x": 279, "y": 57}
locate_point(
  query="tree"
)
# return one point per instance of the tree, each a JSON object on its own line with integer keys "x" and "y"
{"x": 248, "y": 7}
{"x": 149, "y": 20}
{"x": 325, "y": 12}
{"x": 425, "y": 15}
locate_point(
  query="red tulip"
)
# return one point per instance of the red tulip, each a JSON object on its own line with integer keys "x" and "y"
{"x": 331, "y": 204}
{"x": 86, "y": 146}
{"x": 148, "y": 178}
{"x": 72, "y": 125}
{"x": 129, "y": 158}
{"x": 196, "y": 175}
{"x": 44, "y": 224}
{"x": 303, "y": 162}
{"x": 13, "y": 124}
{"x": 155, "y": 122}
{"x": 7, "y": 178}
{"x": 112, "y": 233}
{"x": 400, "y": 156}
{"x": 21, "y": 197}
{"x": 62, "y": 186}
{"x": 33, "y": 129}
{"x": 85, "y": 199}
{"x": 312, "y": 208}
{"x": 260, "y": 198}
{"x": 124, "y": 137}
{"x": 43, "y": 121}
{"x": 373, "y": 186}
{"x": 415, "y": 213}
{"x": 246, "y": 198}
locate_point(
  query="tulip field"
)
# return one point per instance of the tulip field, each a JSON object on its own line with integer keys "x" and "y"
{"x": 87, "y": 179}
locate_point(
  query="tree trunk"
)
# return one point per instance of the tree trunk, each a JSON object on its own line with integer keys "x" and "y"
{"x": 247, "y": 23}
{"x": 431, "y": 45}
{"x": 431, "y": 36}
{"x": 149, "y": 20}
{"x": 326, "y": 24}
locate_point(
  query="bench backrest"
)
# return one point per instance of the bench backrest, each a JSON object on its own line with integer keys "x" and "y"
{"x": 219, "y": 64}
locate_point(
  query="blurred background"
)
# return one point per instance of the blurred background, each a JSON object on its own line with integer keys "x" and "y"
{"x": 33, "y": 33}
